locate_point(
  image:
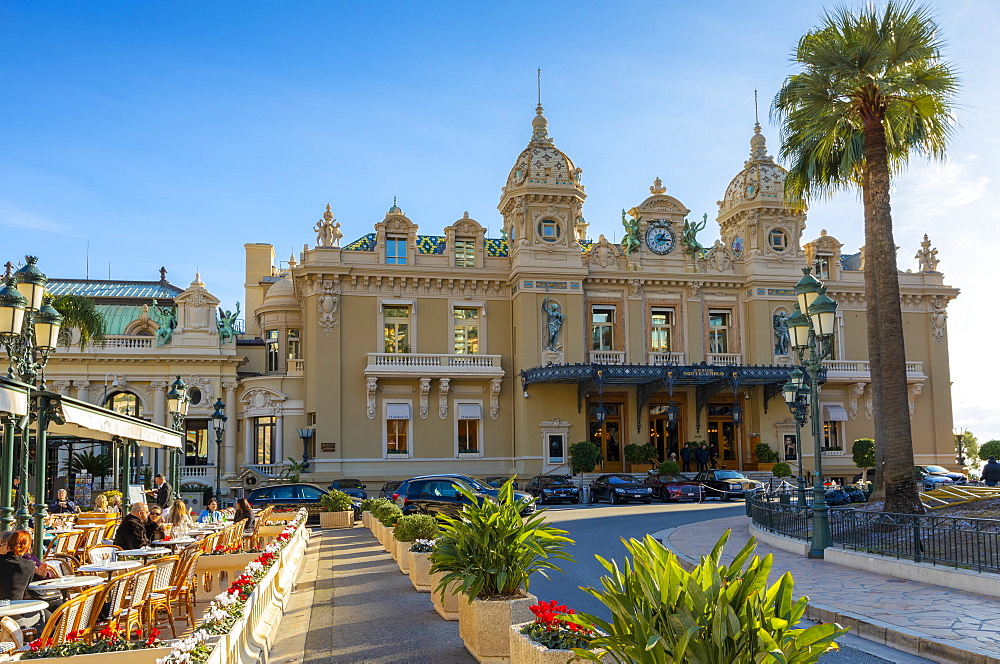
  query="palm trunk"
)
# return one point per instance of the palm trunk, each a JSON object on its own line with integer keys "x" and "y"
{"x": 875, "y": 367}
{"x": 886, "y": 341}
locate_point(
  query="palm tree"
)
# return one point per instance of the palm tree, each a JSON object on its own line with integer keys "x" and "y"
{"x": 873, "y": 89}
{"x": 79, "y": 313}
{"x": 96, "y": 465}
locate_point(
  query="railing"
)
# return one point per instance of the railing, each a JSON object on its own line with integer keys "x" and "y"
{"x": 429, "y": 360}
{"x": 122, "y": 342}
{"x": 862, "y": 368}
{"x": 725, "y": 359}
{"x": 607, "y": 357}
{"x": 198, "y": 471}
{"x": 658, "y": 358}
{"x": 272, "y": 469}
{"x": 296, "y": 366}
{"x": 958, "y": 542}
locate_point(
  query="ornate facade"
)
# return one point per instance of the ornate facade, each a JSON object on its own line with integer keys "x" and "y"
{"x": 408, "y": 353}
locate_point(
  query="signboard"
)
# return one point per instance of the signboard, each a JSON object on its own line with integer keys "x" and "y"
{"x": 135, "y": 495}
{"x": 328, "y": 447}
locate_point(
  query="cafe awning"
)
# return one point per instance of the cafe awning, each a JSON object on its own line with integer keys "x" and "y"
{"x": 13, "y": 400}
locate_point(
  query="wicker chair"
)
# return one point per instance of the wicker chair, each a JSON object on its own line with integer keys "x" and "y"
{"x": 94, "y": 553}
{"x": 168, "y": 571}
{"x": 77, "y": 615}
{"x": 65, "y": 544}
{"x": 11, "y": 637}
{"x": 114, "y": 596}
{"x": 135, "y": 610}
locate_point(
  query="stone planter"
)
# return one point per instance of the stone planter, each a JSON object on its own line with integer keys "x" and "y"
{"x": 389, "y": 541}
{"x": 525, "y": 651}
{"x": 420, "y": 571}
{"x": 343, "y": 519}
{"x": 484, "y": 626}
{"x": 447, "y": 606}
{"x": 366, "y": 519}
{"x": 144, "y": 656}
{"x": 403, "y": 556}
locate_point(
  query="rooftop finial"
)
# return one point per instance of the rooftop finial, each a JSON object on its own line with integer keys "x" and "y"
{"x": 539, "y": 87}
{"x": 539, "y": 124}
{"x": 756, "y": 113}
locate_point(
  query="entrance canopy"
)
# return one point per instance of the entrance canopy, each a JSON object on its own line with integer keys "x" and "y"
{"x": 707, "y": 379}
{"x": 85, "y": 420}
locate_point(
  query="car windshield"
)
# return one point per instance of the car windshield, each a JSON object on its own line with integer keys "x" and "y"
{"x": 349, "y": 484}
{"x": 729, "y": 475}
{"x": 622, "y": 479}
{"x": 937, "y": 469}
{"x": 554, "y": 480}
{"x": 673, "y": 478}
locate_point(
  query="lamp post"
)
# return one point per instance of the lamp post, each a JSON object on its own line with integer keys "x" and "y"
{"x": 960, "y": 446}
{"x": 797, "y": 397}
{"x": 812, "y": 338}
{"x": 177, "y": 404}
{"x": 306, "y": 435}
{"x": 29, "y": 332}
{"x": 219, "y": 424}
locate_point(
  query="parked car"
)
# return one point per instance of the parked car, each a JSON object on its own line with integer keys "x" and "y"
{"x": 352, "y": 487}
{"x": 497, "y": 481}
{"x": 403, "y": 492}
{"x": 956, "y": 478}
{"x": 673, "y": 486}
{"x": 929, "y": 481}
{"x": 726, "y": 484}
{"x": 552, "y": 488}
{"x": 389, "y": 488}
{"x": 620, "y": 488}
{"x": 293, "y": 497}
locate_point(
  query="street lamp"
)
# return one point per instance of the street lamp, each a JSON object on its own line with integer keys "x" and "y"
{"x": 797, "y": 397}
{"x": 219, "y": 424}
{"x": 306, "y": 435}
{"x": 177, "y": 404}
{"x": 812, "y": 338}
{"x": 29, "y": 332}
{"x": 960, "y": 446}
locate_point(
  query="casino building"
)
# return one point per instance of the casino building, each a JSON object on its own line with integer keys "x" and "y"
{"x": 401, "y": 353}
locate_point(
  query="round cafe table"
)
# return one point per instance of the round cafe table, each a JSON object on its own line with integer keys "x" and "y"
{"x": 110, "y": 568}
{"x": 66, "y": 583}
{"x": 179, "y": 542}
{"x": 143, "y": 553}
{"x": 19, "y": 607}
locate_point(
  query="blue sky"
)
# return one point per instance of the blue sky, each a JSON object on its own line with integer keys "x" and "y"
{"x": 171, "y": 133}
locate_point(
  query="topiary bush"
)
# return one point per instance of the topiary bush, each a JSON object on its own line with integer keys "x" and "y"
{"x": 411, "y": 527}
{"x": 390, "y": 516}
{"x": 380, "y": 507}
{"x": 368, "y": 503}
{"x": 764, "y": 453}
{"x": 335, "y": 501}
{"x": 668, "y": 468}
{"x": 990, "y": 450}
{"x": 782, "y": 470}
{"x": 584, "y": 457}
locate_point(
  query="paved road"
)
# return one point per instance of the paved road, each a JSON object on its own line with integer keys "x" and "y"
{"x": 598, "y": 529}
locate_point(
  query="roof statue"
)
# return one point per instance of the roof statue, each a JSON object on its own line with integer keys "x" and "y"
{"x": 657, "y": 189}
{"x": 166, "y": 318}
{"x": 225, "y": 324}
{"x": 689, "y": 239}
{"x": 927, "y": 256}
{"x": 630, "y": 241}
{"x": 163, "y": 274}
{"x": 327, "y": 230}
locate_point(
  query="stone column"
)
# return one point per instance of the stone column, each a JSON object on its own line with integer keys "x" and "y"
{"x": 248, "y": 440}
{"x": 61, "y": 386}
{"x": 279, "y": 438}
{"x": 229, "y": 438}
{"x": 82, "y": 390}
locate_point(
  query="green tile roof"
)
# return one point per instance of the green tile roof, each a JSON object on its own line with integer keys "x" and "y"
{"x": 98, "y": 288}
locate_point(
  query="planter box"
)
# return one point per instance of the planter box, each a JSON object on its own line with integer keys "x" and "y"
{"x": 144, "y": 656}
{"x": 366, "y": 519}
{"x": 525, "y": 651}
{"x": 403, "y": 556}
{"x": 420, "y": 571}
{"x": 389, "y": 541}
{"x": 446, "y": 606}
{"x": 343, "y": 519}
{"x": 484, "y": 626}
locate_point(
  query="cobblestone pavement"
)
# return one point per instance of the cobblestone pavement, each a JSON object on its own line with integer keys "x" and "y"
{"x": 910, "y": 608}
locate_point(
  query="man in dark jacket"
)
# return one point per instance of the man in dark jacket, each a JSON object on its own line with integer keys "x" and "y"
{"x": 132, "y": 531}
{"x": 686, "y": 457}
{"x": 991, "y": 472}
{"x": 703, "y": 457}
{"x": 163, "y": 494}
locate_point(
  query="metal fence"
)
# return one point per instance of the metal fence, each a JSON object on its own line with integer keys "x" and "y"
{"x": 959, "y": 542}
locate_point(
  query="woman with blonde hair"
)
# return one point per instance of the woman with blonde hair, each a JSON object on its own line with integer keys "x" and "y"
{"x": 101, "y": 503}
{"x": 180, "y": 518}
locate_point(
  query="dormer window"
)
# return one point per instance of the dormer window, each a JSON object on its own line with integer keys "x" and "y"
{"x": 548, "y": 230}
{"x": 778, "y": 240}
{"x": 395, "y": 251}
{"x": 822, "y": 266}
{"x": 465, "y": 253}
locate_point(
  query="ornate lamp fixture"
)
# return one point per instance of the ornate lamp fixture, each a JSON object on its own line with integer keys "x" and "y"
{"x": 29, "y": 325}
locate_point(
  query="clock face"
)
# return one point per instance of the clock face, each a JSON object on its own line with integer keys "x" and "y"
{"x": 660, "y": 238}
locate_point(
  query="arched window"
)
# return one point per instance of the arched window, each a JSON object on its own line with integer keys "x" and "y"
{"x": 124, "y": 403}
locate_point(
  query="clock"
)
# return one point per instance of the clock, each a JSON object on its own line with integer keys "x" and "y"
{"x": 660, "y": 238}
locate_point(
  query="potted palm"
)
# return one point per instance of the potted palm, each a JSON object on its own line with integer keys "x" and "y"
{"x": 490, "y": 551}
{"x": 409, "y": 528}
{"x": 338, "y": 512}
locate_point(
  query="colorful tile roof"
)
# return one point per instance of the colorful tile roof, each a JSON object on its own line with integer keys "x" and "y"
{"x": 430, "y": 244}
{"x": 496, "y": 247}
{"x": 98, "y": 288}
{"x": 363, "y": 243}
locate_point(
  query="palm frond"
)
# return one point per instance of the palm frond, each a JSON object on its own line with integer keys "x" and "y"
{"x": 79, "y": 313}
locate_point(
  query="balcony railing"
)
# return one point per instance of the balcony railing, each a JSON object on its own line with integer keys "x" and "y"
{"x": 388, "y": 364}
{"x": 861, "y": 369}
{"x": 607, "y": 357}
{"x": 665, "y": 358}
{"x": 122, "y": 342}
{"x": 725, "y": 359}
{"x": 197, "y": 471}
{"x": 272, "y": 469}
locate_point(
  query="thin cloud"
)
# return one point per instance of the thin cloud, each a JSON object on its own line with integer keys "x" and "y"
{"x": 16, "y": 218}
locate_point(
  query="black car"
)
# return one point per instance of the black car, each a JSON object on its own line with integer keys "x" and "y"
{"x": 402, "y": 491}
{"x": 552, "y": 488}
{"x": 956, "y": 478}
{"x": 929, "y": 481}
{"x": 389, "y": 488}
{"x": 437, "y": 496}
{"x": 725, "y": 484}
{"x": 352, "y": 487}
{"x": 497, "y": 481}
{"x": 294, "y": 496}
{"x": 620, "y": 488}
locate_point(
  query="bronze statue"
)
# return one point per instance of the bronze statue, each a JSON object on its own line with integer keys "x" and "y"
{"x": 630, "y": 242}
{"x": 689, "y": 238}
{"x": 225, "y": 324}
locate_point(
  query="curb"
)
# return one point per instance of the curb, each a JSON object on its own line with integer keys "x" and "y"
{"x": 894, "y": 636}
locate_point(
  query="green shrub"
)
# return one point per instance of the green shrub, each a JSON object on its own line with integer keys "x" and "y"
{"x": 660, "y": 612}
{"x": 491, "y": 551}
{"x": 640, "y": 453}
{"x": 668, "y": 468}
{"x": 411, "y": 527}
{"x": 368, "y": 503}
{"x": 390, "y": 516}
{"x": 584, "y": 456}
{"x": 380, "y": 507}
{"x": 764, "y": 453}
{"x": 335, "y": 501}
{"x": 782, "y": 470}
{"x": 990, "y": 450}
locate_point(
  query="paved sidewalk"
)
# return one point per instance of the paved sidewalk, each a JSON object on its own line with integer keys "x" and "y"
{"x": 938, "y": 623}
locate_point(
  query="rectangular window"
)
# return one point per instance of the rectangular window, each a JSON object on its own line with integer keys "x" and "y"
{"x": 395, "y": 251}
{"x": 466, "y": 324}
{"x": 557, "y": 446}
{"x": 396, "y": 322}
{"x": 263, "y": 440}
{"x": 823, "y": 267}
{"x": 196, "y": 443}
{"x": 294, "y": 344}
{"x": 602, "y": 328}
{"x": 718, "y": 331}
{"x": 831, "y": 434}
{"x": 271, "y": 342}
{"x": 469, "y": 417}
{"x": 661, "y": 330}
{"x": 465, "y": 253}
{"x": 397, "y": 429}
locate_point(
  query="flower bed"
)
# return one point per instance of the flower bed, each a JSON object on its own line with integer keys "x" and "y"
{"x": 110, "y": 644}
{"x": 239, "y": 623}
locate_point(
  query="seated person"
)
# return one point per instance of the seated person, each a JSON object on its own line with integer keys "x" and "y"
{"x": 101, "y": 503}
{"x": 179, "y": 517}
{"x": 62, "y": 504}
{"x": 132, "y": 530}
{"x": 244, "y": 512}
{"x": 210, "y": 514}
{"x": 16, "y": 572}
{"x": 154, "y": 524}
